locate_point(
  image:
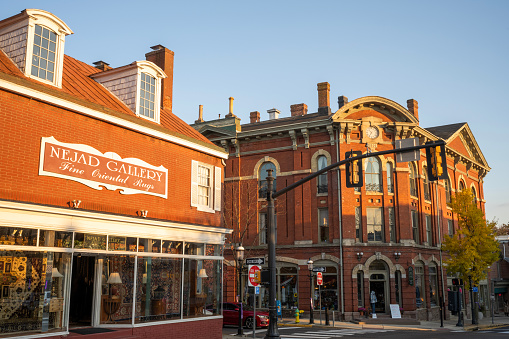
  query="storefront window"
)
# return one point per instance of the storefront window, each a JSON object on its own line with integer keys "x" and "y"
{"x": 360, "y": 289}
{"x": 172, "y": 247}
{"x": 202, "y": 288}
{"x": 117, "y": 279}
{"x": 433, "y": 285}
{"x": 215, "y": 250}
{"x": 420, "y": 300}
{"x": 55, "y": 239}
{"x": 288, "y": 283}
{"x": 33, "y": 290}
{"x": 149, "y": 245}
{"x": 116, "y": 243}
{"x": 194, "y": 248}
{"x": 159, "y": 285}
{"x": 329, "y": 290}
{"x": 18, "y": 236}
{"x": 90, "y": 241}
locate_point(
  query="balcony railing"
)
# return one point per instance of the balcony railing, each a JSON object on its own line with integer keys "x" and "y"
{"x": 373, "y": 187}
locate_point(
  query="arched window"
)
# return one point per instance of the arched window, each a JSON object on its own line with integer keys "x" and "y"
{"x": 427, "y": 195}
{"x": 447, "y": 190}
{"x": 322, "y": 178}
{"x": 474, "y": 195}
{"x": 262, "y": 178}
{"x": 420, "y": 295}
{"x": 372, "y": 175}
{"x": 390, "y": 178}
{"x": 461, "y": 186}
{"x": 413, "y": 179}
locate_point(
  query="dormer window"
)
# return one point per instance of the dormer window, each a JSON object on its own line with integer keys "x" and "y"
{"x": 147, "y": 95}
{"x": 138, "y": 85}
{"x": 34, "y": 40}
{"x": 43, "y": 58}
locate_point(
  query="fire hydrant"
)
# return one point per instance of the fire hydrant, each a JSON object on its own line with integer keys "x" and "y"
{"x": 297, "y": 314}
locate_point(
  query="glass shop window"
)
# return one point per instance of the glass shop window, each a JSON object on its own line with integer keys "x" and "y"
{"x": 18, "y": 236}
{"x": 116, "y": 243}
{"x": 32, "y": 292}
{"x": 159, "y": 285}
{"x": 194, "y": 248}
{"x": 55, "y": 239}
{"x": 202, "y": 288}
{"x": 89, "y": 241}
{"x": 117, "y": 278}
{"x": 149, "y": 245}
{"x": 172, "y": 247}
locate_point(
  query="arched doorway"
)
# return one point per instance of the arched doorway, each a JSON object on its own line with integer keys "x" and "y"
{"x": 379, "y": 283}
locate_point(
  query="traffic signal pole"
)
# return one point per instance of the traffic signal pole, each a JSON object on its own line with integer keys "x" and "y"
{"x": 272, "y": 331}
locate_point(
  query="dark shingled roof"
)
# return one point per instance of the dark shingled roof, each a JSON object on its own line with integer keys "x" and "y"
{"x": 445, "y": 131}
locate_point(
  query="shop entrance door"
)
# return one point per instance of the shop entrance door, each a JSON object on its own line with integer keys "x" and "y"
{"x": 377, "y": 284}
{"x": 82, "y": 291}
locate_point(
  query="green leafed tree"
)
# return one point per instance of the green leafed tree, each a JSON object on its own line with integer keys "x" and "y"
{"x": 473, "y": 247}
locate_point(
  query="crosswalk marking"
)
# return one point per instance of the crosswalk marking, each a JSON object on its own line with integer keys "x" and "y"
{"x": 331, "y": 333}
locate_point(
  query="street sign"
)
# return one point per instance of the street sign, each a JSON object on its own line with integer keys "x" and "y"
{"x": 257, "y": 290}
{"x": 414, "y": 155}
{"x": 319, "y": 279}
{"x": 475, "y": 289}
{"x": 255, "y": 261}
{"x": 318, "y": 269}
{"x": 252, "y": 275}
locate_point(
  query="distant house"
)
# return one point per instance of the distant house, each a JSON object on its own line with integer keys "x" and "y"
{"x": 110, "y": 205}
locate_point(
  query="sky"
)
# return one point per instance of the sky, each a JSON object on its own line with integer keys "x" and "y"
{"x": 450, "y": 56}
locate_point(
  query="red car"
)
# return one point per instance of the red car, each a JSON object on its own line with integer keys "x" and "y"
{"x": 231, "y": 315}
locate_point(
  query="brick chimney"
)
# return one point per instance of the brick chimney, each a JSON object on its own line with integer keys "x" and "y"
{"x": 103, "y": 66}
{"x": 298, "y": 109}
{"x": 413, "y": 107}
{"x": 273, "y": 113}
{"x": 254, "y": 117}
{"x": 323, "y": 98}
{"x": 163, "y": 57}
{"x": 342, "y": 101}
{"x": 200, "y": 114}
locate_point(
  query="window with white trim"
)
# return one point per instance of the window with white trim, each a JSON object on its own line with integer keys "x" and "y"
{"x": 323, "y": 224}
{"x": 374, "y": 224}
{"x": 205, "y": 187}
{"x": 44, "y": 53}
{"x": 147, "y": 95}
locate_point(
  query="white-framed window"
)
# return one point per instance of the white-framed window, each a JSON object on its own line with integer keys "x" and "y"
{"x": 147, "y": 102}
{"x": 427, "y": 191}
{"x": 44, "y": 53}
{"x": 374, "y": 224}
{"x": 392, "y": 224}
{"x": 205, "y": 187}
{"x": 420, "y": 295}
{"x": 358, "y": 224}
{"x": 323, "y": 224}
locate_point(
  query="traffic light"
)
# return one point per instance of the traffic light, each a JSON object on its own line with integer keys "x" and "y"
{"x": 354, "y": 170}
{"x": 437, "y": 164}
{"x": 258, "y": 277}
{"x": 265, "y": 277}
{"x": 457, "y": 282}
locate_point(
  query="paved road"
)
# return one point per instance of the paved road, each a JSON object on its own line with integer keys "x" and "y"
{"x": 326, "y": 333}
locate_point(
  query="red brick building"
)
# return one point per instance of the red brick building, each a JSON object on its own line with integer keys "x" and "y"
{"x": 110, "y": 205}
{"x": 383, "y": 237}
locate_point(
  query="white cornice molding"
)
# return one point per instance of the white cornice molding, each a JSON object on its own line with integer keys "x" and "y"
{"x": 53, "y": 100}
{"x": 62, "y": 218}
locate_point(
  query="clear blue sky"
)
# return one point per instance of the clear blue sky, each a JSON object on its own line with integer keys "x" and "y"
{"x": 450, "y": 56}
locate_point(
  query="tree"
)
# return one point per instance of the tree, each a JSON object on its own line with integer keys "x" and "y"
{"x": 473, "y": 247}
{"x": 502, "y": 229}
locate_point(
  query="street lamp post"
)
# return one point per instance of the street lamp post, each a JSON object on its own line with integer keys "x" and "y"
{"x": 474, "y": 315}
{"x": 272, "y": 331}
{"x": 240, "y": 258}
{"x": 310, "y": 268}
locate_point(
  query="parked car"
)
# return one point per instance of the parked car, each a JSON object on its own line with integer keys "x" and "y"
{"x": 231, "y": 315}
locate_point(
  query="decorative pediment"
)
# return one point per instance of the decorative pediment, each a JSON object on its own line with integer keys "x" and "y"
{"x": 466, "y": 145}
{"x": 394, "y": 111}
{"x": 215, "y": 132}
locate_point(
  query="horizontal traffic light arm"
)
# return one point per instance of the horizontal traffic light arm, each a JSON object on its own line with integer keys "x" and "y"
{"x": 342, "y": 162}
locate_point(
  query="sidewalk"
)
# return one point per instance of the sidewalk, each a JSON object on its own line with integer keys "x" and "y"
{"x": 449, "y": 325}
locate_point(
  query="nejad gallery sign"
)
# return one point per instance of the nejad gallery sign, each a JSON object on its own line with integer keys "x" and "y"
{"x": 85, "y": 164}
